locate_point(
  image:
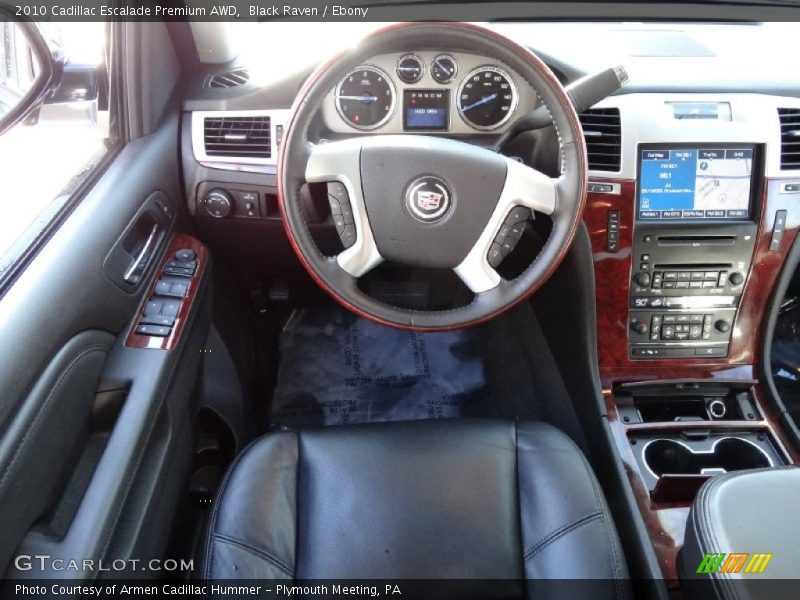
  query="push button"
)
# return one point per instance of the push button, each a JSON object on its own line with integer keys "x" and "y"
{"x": 342, "y": 213}
{"x": 170, "y": 308}
{"x": 185, "y": 255}
{"x": 157, "y": 320}
{"x": 153, "y": 330}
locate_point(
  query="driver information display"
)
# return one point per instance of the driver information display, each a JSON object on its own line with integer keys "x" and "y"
{"x": 695, "y": 183}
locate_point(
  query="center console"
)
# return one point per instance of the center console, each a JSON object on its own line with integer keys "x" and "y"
{"x": 694, "y": 234}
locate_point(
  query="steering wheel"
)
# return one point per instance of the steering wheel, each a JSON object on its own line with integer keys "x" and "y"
{"x": 428, "y": 201}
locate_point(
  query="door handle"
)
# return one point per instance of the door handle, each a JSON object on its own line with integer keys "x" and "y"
{"x": 139, "y": 264}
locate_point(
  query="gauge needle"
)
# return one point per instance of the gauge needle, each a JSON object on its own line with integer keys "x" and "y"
{"x": 365, "y": 98}
{"x": 442, "y": 67}
{"x": 480, "y": 102}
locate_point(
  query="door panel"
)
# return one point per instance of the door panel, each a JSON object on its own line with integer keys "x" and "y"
{"x": 95, "y": 437}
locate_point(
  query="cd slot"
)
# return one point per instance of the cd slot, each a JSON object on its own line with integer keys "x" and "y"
{"x": 696, "y": 240}
{"x": 688, "y": 266}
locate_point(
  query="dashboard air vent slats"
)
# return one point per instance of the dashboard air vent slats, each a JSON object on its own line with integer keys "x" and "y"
{"x": 229, "y": 79}
{"x": 790, "y": 137}
{"x": 238, "y": 137}
{"x": 603, "y": 133}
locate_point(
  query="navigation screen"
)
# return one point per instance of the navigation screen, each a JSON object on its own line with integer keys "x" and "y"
{"x": 695, "y": 183}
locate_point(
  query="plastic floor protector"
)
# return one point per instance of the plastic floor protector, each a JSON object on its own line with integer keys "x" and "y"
{"x": 336, "y": 368}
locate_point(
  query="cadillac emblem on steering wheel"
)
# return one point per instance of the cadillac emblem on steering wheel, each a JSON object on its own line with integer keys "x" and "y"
{"x": 428, "y": 198}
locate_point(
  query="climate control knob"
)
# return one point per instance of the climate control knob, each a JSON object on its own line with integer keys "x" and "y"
{"x": 736, "y": 278}
{"x": 218, "y": 203}
{"x": 639, "y": 327}
{"x": 642, "y": 279}
{"x": 722, "y": 326}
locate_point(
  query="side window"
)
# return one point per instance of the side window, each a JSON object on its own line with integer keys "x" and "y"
{"x": 45, "y": 158}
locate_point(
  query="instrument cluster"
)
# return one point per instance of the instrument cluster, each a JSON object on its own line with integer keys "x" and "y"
{"x": 428, "y": 92}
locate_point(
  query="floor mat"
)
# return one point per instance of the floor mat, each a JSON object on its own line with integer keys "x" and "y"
{"x": 336, "y": 368}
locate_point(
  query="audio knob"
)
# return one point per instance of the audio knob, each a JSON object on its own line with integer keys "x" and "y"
{"x": 639, "y": 327}
{"x": 642, "y": 279}
{"x": 736, "y": 278}
{"x": 218, "y": 203}
{"x": 722, "y": 326}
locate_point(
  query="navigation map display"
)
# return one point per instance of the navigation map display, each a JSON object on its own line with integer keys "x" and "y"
{"x": 695, "y": 183}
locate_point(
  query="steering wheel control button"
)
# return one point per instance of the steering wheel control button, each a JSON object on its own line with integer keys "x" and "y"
{"x": 495, "y": 256}
{"x": 428, "y": 199}
{"x": 342, "y": 213}
{"x": 348, "y": 235}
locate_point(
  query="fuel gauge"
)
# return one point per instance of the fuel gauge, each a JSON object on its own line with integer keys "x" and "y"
{"x": 410, "y": 68}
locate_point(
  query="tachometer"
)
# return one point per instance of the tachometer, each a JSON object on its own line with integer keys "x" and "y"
{"x": 487, "y": 98}
{"x": 365, "y": 98}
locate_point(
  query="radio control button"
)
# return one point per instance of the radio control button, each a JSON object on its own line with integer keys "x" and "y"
{"x": 736, "y": 278}
{"x": 712, "y": 275}
{"x": 642, "y": 279}
{"x": 695, "y": 284}
{"x": 697, "y": 276}
{"x": 681, "y": 285}
{"x": 722, "y": 326}
{"x": 684, "y": 275}
{"x": 670, "y": 275}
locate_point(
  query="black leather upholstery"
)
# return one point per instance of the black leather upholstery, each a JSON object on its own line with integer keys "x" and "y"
{"x": 426, "y": 499}
{"x": 745, "y": 512}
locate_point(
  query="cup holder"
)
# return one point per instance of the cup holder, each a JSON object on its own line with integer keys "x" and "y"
{"x": 663, "y": 456}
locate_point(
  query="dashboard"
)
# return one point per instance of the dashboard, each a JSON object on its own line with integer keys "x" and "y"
{"x": 428, "y": 92}
{"x": 690, "y": 190}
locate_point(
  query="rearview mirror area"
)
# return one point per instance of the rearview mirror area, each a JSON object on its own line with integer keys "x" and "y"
{"x": 26, "y": 70}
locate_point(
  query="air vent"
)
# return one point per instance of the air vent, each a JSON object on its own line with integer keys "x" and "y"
{"x": 602, "y": 130}
{"x": 237, "y": 137}
{"x": 229, "y": 79}
{"x": 790, "y": 137}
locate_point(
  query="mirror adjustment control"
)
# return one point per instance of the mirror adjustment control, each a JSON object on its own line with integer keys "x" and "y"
{"x": 185, "y": 255}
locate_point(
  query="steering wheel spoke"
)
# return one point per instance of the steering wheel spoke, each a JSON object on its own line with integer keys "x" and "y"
{"x": 524, "y": 187}
{"x": 341, "y": 162}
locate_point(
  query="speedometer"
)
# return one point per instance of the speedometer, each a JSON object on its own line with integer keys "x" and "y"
{"x": 487, "y": 98}
{"x": 365, "y": 98}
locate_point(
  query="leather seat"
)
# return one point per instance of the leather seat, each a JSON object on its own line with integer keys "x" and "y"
{"x": 746, "y": 516}
{"x": 417, "y": 500}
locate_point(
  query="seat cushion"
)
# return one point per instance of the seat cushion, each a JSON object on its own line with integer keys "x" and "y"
{"x": 752, "y": 513}
{"x": 425, "y": 499}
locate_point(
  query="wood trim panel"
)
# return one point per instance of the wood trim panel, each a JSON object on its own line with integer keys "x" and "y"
{"x": 666, "y": 522}
{"x": 613, "y": 276}
{"x": 178, "y": 242}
